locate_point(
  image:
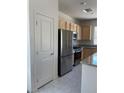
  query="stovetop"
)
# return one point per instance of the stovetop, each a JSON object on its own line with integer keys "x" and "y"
{"x": 77, "y": 49}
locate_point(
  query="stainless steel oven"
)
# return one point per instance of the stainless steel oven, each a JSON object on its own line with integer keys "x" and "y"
{"x": 77, "y": 55}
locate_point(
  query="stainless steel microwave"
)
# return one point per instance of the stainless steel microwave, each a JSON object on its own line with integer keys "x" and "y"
{"x": 74, "y": 35}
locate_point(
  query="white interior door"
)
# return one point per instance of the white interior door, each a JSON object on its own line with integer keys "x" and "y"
{"x": 44, "y": 49}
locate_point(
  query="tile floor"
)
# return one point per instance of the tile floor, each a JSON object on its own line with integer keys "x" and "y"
{"x": 89, "y": 79}
{"x": 69, "y": 83}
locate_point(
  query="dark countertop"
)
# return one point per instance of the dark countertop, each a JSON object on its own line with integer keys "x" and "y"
{"x": 90, "y": 64}
{"x": 87, "y": 45}
{"x": 93, "y": 60}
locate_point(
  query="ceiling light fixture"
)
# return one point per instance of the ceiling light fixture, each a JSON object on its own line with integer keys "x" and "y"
{"x": 88, "y": 10}
{"x": 83, "y": 2}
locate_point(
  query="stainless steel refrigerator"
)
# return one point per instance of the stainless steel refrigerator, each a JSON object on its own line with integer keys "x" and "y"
{"x": 65, "y": 51}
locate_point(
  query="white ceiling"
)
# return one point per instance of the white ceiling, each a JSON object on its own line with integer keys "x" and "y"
{"x": 74, "y": 9}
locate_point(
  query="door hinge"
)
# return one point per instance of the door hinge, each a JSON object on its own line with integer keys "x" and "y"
{"x": 36, "y": 22}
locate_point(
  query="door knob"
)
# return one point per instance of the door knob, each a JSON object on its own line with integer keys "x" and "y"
{"x": 52, "y": 54}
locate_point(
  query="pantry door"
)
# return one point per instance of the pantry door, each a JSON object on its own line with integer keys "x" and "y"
{"x": 44, "y": 30}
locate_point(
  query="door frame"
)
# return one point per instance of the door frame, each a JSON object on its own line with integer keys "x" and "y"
{"x": 36, "y": 47}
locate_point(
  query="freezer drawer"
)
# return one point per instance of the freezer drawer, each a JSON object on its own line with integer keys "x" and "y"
{"x": 65, "y": 64}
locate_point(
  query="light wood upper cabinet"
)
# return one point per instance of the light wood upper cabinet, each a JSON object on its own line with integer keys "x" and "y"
{"x": 83, "y": 33}
{"x": 75, "y": 27}
{"x": 78, "y": 30}
{"x": 71, "y": 26}
{"x": 67, "y": 25}
{"x": 62, "y": 23}
{"x": 86, "y": 32}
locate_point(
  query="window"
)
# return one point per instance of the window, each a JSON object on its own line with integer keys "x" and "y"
{"x": 95, "y": 35}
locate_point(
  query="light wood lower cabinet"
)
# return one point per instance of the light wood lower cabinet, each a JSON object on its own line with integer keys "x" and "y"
{"x": 87, "y": 52}
{"x": 82, "y": 55}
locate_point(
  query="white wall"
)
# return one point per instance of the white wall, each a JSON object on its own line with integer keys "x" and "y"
{"x": 28, "y": 63}
{"x": 47, "y": 7}
{"x": 89, "y": 79}
{"x": 68, "y": 18}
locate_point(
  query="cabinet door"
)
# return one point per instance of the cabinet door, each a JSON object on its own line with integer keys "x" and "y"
{"x": 79, "y": 33}
{"x": 75, "y": 25}
{"x": 86, "y": 52}
{"x": 72, "y": 26}
{"x": 61, "y": 24}
{"x": 93, "y": 50}
{"x": 86, "y": 32}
